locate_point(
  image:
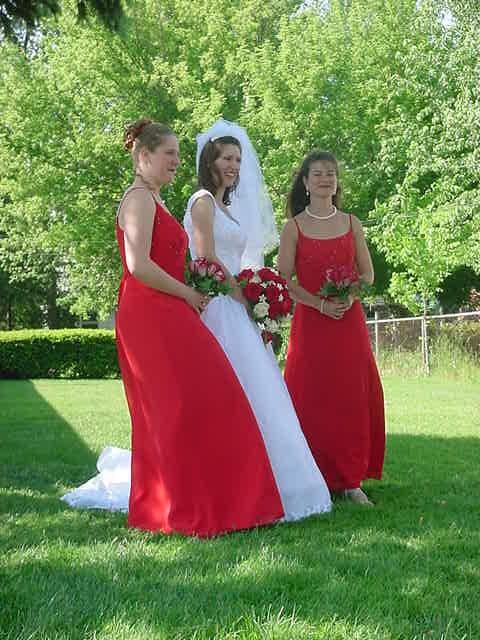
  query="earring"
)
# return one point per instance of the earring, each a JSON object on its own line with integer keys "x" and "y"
{"x": 307, "y": 192}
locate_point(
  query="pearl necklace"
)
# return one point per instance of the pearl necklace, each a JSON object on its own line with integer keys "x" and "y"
{"x": 312, "y": 215}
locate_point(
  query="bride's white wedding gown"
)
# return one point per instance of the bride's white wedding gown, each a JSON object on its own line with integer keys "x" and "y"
{"x": 301, "y": 486}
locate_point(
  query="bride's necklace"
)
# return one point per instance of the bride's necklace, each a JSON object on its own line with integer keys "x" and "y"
{"x": 312, "y": 215}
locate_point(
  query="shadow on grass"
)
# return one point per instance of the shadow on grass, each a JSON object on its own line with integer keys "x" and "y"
{"x": 40, "y": 451}
{"x": 407, "y": 564}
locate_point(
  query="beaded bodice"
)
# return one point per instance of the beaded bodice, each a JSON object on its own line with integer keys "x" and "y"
{"x": 315, "y": 256}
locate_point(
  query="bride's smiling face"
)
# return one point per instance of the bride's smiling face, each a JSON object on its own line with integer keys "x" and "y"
{"x": 227, "y": 165}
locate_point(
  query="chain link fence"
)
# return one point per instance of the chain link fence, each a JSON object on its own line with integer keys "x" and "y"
{"x": 417, "y": 334}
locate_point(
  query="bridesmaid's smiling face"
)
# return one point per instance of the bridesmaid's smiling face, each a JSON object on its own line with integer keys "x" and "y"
{"x": 227, "y": 165}
{"x": 322, "y": 179}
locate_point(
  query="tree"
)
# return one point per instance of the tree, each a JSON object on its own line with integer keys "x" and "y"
{"x": 429, "y": 225}
{"x": 63, "y": 165}
{"x": 17, "y": 16}
{"x": 388, "y": 85}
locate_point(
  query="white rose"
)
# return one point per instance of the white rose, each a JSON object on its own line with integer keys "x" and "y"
{"x": 261, "y": 309}
{"x": 272, "y": 325}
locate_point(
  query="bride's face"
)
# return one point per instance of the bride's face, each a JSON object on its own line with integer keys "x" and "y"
{"x": 227, "y": 165}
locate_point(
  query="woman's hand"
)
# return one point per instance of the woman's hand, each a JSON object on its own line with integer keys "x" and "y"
{"x": 333, "y": 307}
{"x": 196, "y": 300}
{"x": 350, "y": 300}
{"x": 237, "y": 294}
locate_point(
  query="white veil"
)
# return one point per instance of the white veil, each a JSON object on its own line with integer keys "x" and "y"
{"x": 251, "y": 204}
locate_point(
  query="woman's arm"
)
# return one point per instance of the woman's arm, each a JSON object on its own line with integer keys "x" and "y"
{"x": 203, "y": 214}
{"x": 362, "y": 254}
{"x": 136, "y": 217}
{"x": 286, "y": 266}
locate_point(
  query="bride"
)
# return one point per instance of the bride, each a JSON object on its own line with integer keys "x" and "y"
{"x": 230, "y": 220}
{"x": 235, "y": 235}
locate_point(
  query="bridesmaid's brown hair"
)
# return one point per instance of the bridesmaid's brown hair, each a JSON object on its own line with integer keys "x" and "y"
{"x": 144, "y": 133}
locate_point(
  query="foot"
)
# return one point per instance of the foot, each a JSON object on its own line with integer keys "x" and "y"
{"x": 357, "y": 496}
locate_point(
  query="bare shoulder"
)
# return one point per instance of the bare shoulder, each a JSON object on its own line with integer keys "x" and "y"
{"x": 290, "y": 229}
{"x": 356, "y": 224}
{"x": 136, "y": 203}
{"x": 203, "y": 207}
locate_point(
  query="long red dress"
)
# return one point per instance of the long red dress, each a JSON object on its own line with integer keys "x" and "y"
{"x": 199, "y": 465}
{"x": 332, "y": 375}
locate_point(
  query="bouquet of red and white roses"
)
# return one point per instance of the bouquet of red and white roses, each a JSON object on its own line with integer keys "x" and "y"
{"x": 207, "y": 277}
{"x": 269, "y": 300}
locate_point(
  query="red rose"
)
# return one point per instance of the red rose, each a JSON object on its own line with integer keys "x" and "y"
{"x": 246, "y": 274}
{"x": 252, "y": 291}
{"x": 275, "y": 310}
{"x": 287, "y": 304}
{"x": 219, "y": 276}
{"x": 213, "y": 267}
{"x": 266, "y": 274}
{"x": 201, "y": 266}
{"x": 272, "y": 293}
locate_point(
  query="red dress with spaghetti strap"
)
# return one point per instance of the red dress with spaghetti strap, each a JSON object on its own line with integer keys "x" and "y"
{"x": 332, "y": 375}
{"x": 199, "y": 465}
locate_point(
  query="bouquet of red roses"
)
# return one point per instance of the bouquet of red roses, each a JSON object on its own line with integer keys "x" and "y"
{"x": 269, "y": 300}
{"x": 340, "y": 282}
{"x": 207, "y": 277}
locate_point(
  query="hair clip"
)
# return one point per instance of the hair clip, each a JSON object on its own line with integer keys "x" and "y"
{"x": 213, "y": 139}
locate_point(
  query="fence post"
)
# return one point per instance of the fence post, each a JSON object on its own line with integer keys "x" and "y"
{"x": 376, "y": 335}
{"x": 425, "y": 353}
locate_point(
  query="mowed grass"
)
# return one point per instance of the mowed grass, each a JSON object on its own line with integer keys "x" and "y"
{"x": 408, "y": 569}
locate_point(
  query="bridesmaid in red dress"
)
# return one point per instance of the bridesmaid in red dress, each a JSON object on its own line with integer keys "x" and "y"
{"x": 199, "y": 465}
{"x": 330, "y": 370}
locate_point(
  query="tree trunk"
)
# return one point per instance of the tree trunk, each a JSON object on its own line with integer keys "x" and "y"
{"x": 51, "y": 302}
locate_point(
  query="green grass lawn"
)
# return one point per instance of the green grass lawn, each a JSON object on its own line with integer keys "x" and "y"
{"x": 408, "y": 569}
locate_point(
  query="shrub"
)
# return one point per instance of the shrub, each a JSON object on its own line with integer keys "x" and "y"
{"x": 461, "y": 333}
{"x": 63, "y": 353}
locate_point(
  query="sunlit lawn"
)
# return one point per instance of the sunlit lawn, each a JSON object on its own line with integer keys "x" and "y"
{"x": 408, "y": 569}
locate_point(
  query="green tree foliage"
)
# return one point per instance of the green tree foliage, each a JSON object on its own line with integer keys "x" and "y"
{"x": 65, "y": 168}
{"x": 429, "y": 224}
{"x": 22, "y": 16}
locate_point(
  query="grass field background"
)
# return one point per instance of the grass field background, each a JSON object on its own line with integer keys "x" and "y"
{"x": 408, "y": 569}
